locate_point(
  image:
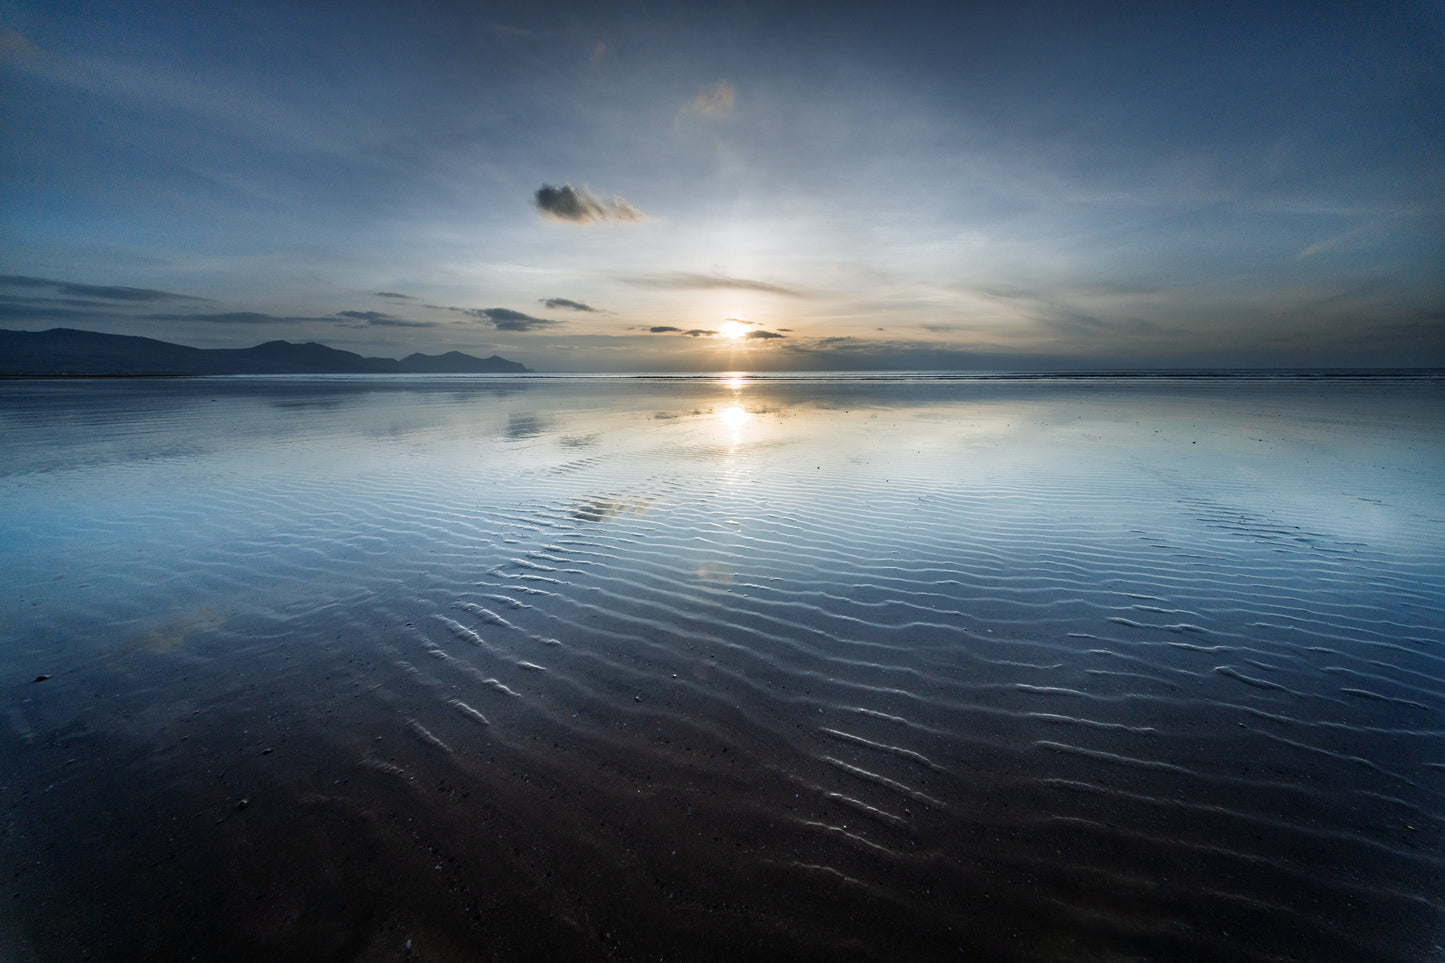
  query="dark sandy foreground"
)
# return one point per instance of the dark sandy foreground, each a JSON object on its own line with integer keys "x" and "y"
{"x": 704, "y": 671}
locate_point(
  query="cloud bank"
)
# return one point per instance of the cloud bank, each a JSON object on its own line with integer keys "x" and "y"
{"x": 569, "y": 204}
{"x": 381, "y": 319}
{"x": 555, "y": 303}
{"x": 691, "y": 333}
{"x": 237, "y": 317}
{"x": 95, "y": 291}
{"x": 505, "y": 319}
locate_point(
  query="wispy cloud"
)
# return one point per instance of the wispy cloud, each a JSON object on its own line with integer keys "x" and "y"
{"x": 555, "y": 303}
{"x": 393, "y": 296}
{"x": 715, "y": 100}
{"x": 100, "y": 292}
{"x": 690, "y": 333}
{"x": 1330, "y": 242}
{"x": 505, "y": 319}
{"x": 383, "y": 320}
{"x": 762, "y": 335}
{"x": 237, "y": 317}
{"x": 693, "y": 281}
{"x": 581, "y": 206}
{"x": 51, "y": 309}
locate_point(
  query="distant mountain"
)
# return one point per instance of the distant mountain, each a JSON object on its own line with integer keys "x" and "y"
{"x": 66, "y": 351}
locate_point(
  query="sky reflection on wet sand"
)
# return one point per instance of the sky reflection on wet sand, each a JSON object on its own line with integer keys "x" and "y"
{"x": 722, "y": 667}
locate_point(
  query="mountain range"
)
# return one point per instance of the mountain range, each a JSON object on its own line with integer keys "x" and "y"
{"x": 69, "y": 352}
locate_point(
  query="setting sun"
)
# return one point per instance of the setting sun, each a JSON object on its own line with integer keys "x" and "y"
{"x": 732, "y": 329}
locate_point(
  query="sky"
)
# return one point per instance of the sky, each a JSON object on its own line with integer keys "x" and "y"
{"x": 734, "y": 186}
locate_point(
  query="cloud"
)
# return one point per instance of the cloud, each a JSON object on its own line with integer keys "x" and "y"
{"x": 717, "y": 99}
{"x": 505, "y": 319}
{"x": 50, "y": 309}
{"x": 236, "y": 317}
{"x": 87, "y": 311}
{"x": 752, "y": 335}
{"x": 394, "y": 296}
{"x": 692, "y": 333}
{"x": 567, "y": 203}
{"x": 555, "y": 303}
{"x": 1330, "y": 242}
{"x": 95, "y": 291}
{"x": 693, "y": 281}
{"x": 381, "y": 319}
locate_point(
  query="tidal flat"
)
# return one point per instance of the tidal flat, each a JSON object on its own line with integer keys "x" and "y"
{"x": 730, "y": 667}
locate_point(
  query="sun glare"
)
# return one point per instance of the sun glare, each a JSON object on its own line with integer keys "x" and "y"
{"x": 734, "y": 417}
{"x": 732, "y": 329}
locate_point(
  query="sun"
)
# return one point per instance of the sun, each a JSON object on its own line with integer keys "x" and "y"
{"x": 732, "y": 329}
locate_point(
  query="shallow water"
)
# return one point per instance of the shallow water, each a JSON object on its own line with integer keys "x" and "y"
{"x": 459, "y": 668}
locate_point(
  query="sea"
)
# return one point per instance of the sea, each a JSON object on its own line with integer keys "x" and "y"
{"x": 723, "y": 667}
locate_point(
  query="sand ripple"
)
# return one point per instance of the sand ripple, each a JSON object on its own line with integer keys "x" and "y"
{"x": 1019, "y": 676}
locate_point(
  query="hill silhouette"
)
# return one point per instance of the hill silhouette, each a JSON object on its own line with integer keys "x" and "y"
{"x": 62, "y": 352}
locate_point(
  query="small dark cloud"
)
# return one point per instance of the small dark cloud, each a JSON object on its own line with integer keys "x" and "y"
{"x": 99, "y": 292}
{"x": 235, "y": 317}
{"x": 567, "y": 203}
{"x": 505, "y": 319}
{"x": 751, "y": 335}
{"x": 691, "y": 281}
{"x": 691, "y": 333}
{"x": 394, "y": 296}
{"x": 555, "y": 303}
{"x": 402, "y": 323}
{"x": 381, "y": 319}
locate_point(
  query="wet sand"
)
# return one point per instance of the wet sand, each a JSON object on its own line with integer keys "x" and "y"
{"x": 450, "y": 668}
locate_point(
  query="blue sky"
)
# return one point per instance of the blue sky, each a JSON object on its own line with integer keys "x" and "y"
{"x": 603, "y": 186}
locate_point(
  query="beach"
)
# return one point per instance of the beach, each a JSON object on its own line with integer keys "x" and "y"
{"x": 475, "y": 667}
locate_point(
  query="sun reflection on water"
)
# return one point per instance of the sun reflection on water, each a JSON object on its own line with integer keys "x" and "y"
{"x": 734, "y": 416}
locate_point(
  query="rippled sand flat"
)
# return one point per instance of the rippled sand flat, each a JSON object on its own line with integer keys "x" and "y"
{"x": 471, "y": 668}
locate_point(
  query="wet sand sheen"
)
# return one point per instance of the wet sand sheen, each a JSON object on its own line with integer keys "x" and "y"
{"x": 716, "y": 669}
